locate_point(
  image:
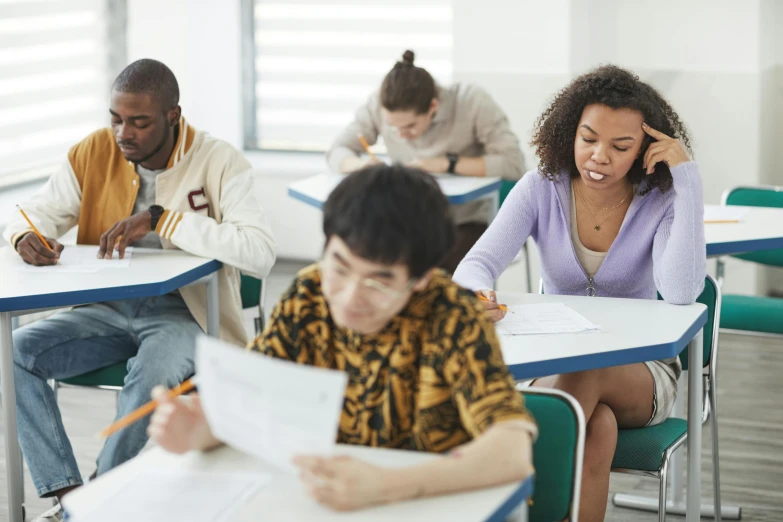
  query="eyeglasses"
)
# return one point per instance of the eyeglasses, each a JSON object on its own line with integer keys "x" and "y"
{"x": 378, "y": 294}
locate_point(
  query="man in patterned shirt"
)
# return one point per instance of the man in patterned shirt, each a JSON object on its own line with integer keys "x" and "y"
{"x": 425, "y": 370}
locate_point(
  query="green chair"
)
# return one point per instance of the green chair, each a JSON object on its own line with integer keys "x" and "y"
{"x": 253, "y": 292}
{"x": 647, "y": 451}
{"x": 557, "y": 454}
{"x": 753, "y": 313}
{"x": 505, "y": 187}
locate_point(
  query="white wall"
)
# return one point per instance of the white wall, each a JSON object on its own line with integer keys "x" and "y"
{"x": 200, "y": 41}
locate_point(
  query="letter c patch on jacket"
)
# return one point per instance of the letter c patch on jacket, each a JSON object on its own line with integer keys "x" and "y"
{"x": 198, "y": 200}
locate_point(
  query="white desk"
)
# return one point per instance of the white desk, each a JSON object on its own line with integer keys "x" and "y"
{"x": 631, "y": 330}
{"x": 458, "y": 189}
{"x": 151, "y": 273}
{"x": 284, "y": 499}
{"x": 760, "y": 229}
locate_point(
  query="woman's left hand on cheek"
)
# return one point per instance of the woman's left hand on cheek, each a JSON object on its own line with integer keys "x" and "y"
{"x": 666, "y": 149}
{"x": 341, "y": 483}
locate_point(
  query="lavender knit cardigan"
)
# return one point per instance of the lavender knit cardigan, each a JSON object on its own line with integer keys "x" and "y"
{"x": 660, "y": 245}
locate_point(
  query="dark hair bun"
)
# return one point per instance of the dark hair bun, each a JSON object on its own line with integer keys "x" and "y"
{"x": 407, "y": 57}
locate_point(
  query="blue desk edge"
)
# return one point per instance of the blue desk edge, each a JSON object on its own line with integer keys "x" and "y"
{"x": 743, "y": 247}
{"x": 454, "y": 200}
{"x": 604, "y": 360}
{"x": 99, "y": 295}
{"x": 521, "y": 494}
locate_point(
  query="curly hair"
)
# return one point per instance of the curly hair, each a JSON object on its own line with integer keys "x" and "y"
{"x": 617, "y": 88}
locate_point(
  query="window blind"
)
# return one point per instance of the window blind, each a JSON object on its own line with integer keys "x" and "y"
{"x": 54, "y": 81}
{"x": 317, "y": 61}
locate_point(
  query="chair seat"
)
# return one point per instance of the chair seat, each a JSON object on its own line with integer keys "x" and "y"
{"x": 643, "y": 448}
{"x": 752, "y": 313}
{"x": 113, "y": 375}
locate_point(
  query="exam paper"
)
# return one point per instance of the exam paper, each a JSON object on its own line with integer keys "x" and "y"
{"x": 267, "y": 407}
{"x": 80, "y": 259}
{"x": 545, "y": 318}
{"x": 721, "y": 213}
{"x": 164, "y": 495}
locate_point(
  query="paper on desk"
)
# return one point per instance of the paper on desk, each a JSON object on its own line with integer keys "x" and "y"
{"x": 80, "y": 259}
{"x": 267, "y": 407}
{"x": 545, "y": 318}
{"x": 721, "y": 213}
{"x": 164, "y": 495}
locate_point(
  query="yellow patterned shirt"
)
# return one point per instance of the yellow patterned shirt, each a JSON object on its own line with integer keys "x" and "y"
{"x": 431, "y": 380}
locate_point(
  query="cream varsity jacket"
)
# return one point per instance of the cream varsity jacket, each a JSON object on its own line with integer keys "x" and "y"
{"x": 207, "y": 191}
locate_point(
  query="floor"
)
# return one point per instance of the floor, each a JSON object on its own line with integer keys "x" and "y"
{"x": 751, "y": 429}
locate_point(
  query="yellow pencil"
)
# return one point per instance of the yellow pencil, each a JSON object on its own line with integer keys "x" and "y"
{"x": 35, "y": 230}
{"x": 366, "y": 147}
{"x": 715, "y": 221}
{"x": 148, "y": 408}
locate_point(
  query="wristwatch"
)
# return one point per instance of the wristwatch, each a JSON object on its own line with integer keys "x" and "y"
{"x": 453, "y": 159}
{"x": 155, "y": 212}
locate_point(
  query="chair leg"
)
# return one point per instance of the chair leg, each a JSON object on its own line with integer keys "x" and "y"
{"x": 715, "y": 454}
{"x": 663, "y": 484}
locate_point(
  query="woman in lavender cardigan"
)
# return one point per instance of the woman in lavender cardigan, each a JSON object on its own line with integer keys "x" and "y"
{"x": 616, "y": 210}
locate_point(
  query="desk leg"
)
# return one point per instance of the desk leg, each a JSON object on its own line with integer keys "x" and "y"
{"x": 213, "y": 307}
{"x": 13, "y": 455}
{"x": 677, "y": 484}
{"x": 494, "y": 204}
{"x": 695, "y": 402}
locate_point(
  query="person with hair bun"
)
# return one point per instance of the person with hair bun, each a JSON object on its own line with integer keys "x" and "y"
{"x": 456, "y": 129}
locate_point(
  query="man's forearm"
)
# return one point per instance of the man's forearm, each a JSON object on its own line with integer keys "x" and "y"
{"x": 501, "y": 455}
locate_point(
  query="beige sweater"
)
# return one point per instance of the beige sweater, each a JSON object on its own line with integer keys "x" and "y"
{"x": 207, "y": 191}
{"x": 468, "y": 123}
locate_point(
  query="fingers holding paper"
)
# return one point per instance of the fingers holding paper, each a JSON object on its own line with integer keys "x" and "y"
{"x": 123, "y": 233}
{"x": 341, "y": 483}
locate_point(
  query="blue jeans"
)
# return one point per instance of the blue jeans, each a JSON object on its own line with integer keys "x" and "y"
{"x": 156, "y": 335}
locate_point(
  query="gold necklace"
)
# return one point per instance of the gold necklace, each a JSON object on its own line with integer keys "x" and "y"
{"x": 597, "y": 226}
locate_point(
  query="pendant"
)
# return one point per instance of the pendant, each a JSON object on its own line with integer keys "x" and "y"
{"x": 597, "y": 227}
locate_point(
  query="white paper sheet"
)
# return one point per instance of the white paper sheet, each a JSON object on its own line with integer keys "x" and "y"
{"x": 268, "y": 407}
{"x": 546, "y": 318}
{"x": 79, "y": 259}
{"x": 165, "y": 495}
{"x": 721, "y": 213}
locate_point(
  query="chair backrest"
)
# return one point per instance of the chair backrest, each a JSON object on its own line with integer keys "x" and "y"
{"x": 250, "y": 290}
{"x": 505, "y": 187}
{"x": 557, "y": 454}
{"x": 760, "y": 196}
{"x": 710, "y": 297}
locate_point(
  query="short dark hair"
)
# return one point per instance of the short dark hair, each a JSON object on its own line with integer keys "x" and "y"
{"x": 392, "y": 214}
{"x": 407, "y": 87}
{"x": 152, "y": 77}
{"x": 617, "y": 88}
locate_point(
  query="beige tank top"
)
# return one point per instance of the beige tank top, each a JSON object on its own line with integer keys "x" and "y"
{"x": 589, "y": 259}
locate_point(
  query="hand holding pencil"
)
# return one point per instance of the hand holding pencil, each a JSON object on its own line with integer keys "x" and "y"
{"x": 34, "y": 248}
{"x": 353, "y": 163}
{"x": 495, "y": 311}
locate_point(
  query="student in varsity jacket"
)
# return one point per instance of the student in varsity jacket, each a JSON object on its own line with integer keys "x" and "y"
{"x": 151, "y": 180}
